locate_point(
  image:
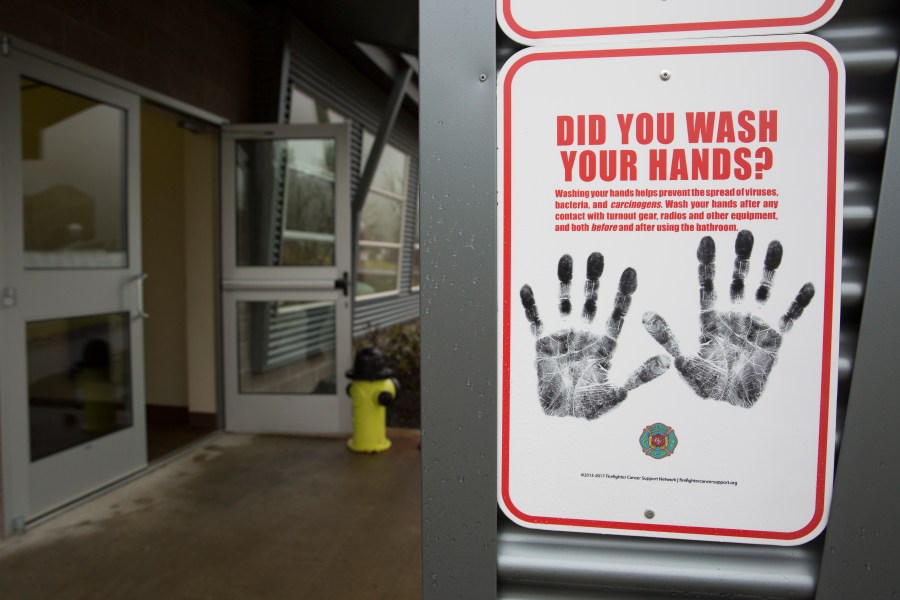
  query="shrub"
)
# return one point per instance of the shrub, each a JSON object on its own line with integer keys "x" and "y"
{"x": 400, "y": 346}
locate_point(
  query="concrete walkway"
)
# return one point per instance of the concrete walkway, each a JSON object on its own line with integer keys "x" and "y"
{"x": 244, "y": 517}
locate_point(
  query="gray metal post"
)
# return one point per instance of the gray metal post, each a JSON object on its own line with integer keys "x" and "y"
{"x": 860, "y": 558}
{"x": 457, "y": 140}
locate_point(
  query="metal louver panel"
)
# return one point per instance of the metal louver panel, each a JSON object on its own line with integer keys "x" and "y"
{"x": 667, "y": 567}
{"x": 296, "y": 335}
{"x": 381, "y": 314}
{"x": 321, "y": 72}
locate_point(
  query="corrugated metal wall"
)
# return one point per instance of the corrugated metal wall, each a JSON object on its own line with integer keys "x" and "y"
{"x": 534, "y": 564}
{"x": 321, "y": 72}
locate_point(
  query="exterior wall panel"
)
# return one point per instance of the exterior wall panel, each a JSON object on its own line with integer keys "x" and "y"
{"x": 533, "y": 564}
{"x": 318, "y": 70}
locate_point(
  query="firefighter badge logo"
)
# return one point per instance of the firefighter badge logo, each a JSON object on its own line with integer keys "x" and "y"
{"x": 658, "y": 440}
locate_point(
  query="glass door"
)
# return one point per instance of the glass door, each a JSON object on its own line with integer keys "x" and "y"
{"x": 285, "y": 264}
{"x": 71, "y": 374}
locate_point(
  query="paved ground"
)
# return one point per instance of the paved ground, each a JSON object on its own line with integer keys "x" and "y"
{"x": 244, "y": 517}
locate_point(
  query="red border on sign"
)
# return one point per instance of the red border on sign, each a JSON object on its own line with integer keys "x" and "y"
{"x": 664, "y": 27}
{"x": 822, "y": 462}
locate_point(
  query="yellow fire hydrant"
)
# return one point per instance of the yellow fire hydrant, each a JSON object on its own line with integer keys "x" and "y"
{"x": 372, "y": 390}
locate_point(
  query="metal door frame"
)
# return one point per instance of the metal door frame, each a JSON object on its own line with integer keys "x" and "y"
{"x": 278, "y": 413}
{"x": 118, "y": 454}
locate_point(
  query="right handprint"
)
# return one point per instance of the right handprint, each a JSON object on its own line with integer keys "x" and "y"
{"x": 737, "y": 349}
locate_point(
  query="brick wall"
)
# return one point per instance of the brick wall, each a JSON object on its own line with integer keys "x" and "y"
{"x": 193, "y": 50}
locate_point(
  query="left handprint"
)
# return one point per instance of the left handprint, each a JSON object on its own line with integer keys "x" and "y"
{"x": 573, "y": 365}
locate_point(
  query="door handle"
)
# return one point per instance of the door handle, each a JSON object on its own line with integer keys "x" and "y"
{"x": 343, "y": 283}
{"x": 139, "y": 281}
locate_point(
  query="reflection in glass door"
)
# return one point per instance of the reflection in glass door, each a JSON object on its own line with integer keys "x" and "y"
{"x": 79, "y": 387}
{"x": 73, "y": 206}
{"x": 286, "y": 253}
{"x": 71, "y": 378}
{"x": 285, "y": 194}
{"x": 287, "y": 347}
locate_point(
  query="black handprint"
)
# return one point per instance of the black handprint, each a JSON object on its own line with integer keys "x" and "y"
{"x": 737, "y": 350}
{"x": 572, "y": 366}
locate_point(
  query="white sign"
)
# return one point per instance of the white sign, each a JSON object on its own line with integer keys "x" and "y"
{"x": 670, "y": 234}
{"x": 538, "y": 22}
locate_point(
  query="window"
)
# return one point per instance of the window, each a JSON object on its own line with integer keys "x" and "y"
{"x": 414, "y": 274}
{"x": 289, "y": 224}
{"x": 382, "y": 219}
{"x": 381, "y": 223}
{"x": 308, "y": 110}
